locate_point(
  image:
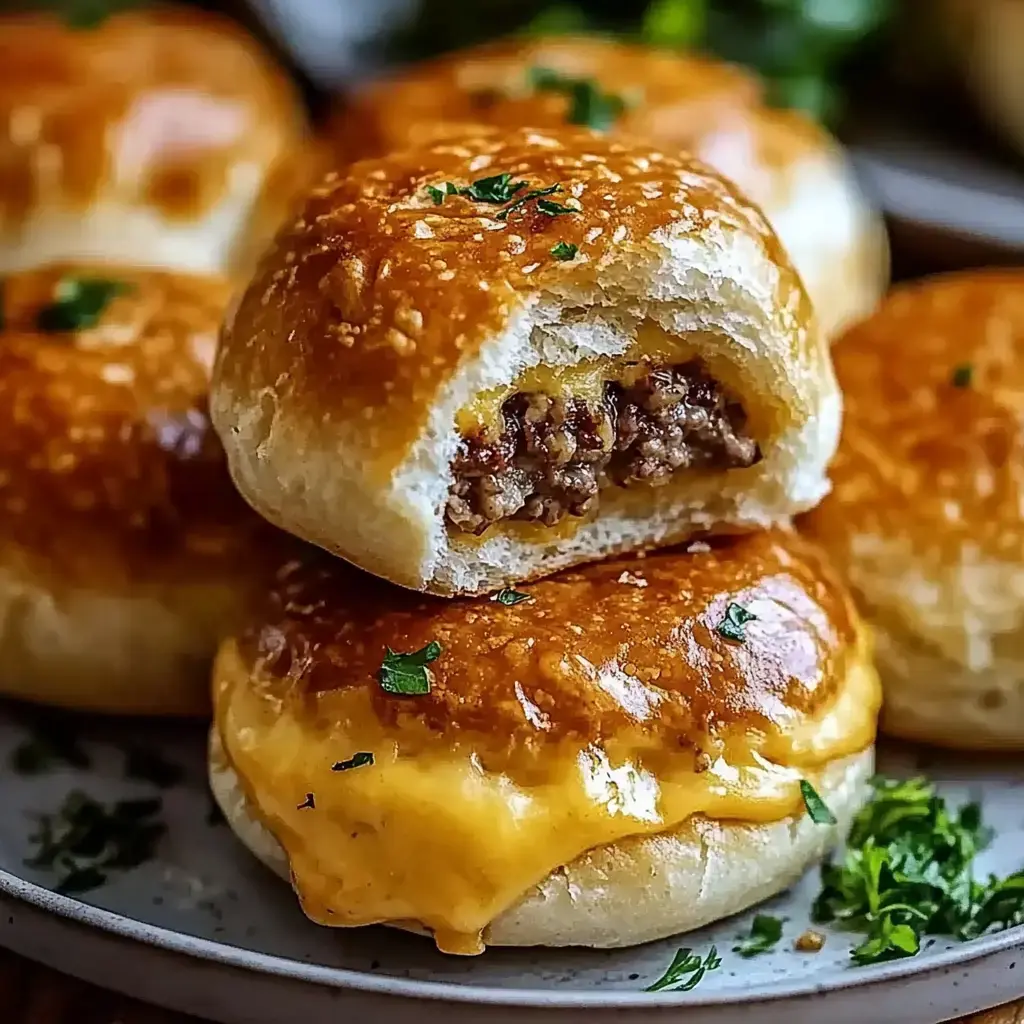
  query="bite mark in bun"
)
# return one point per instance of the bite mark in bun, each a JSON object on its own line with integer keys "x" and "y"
{"x": 472, "y": 408}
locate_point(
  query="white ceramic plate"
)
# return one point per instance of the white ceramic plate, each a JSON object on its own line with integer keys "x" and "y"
{"x": 204, "y": 929}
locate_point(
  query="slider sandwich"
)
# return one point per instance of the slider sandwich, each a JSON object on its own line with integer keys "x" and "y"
{"x": 926, "y": 520}
{"x": 125, "y": 552}
{"x": 789, "y": 166}
{"x": 492, "y": 357}
{"x": 610, "y": 755}
{"x": 161, "y": 136}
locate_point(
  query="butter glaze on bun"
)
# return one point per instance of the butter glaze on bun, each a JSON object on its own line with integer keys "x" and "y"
{"x": 125, "y": 552}
{"x": 594, "y": 765}
{"x": 789, "y": 166}
{"x": 927, "y": 515}
{"x": 431, "y": 392}
{"x": 162, "y": 136}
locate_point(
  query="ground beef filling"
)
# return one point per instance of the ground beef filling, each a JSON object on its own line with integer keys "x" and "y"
{"x": 555, "y": 454}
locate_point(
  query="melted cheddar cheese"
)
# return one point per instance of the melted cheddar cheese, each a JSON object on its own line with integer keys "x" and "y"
{"x": 441, "y": 840}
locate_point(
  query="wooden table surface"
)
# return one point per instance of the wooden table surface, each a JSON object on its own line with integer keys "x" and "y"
{"x": 30, "y": 994}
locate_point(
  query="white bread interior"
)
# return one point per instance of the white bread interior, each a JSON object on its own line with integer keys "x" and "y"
{"x": 638, "y": 889}
{"x": 718, "y": 289}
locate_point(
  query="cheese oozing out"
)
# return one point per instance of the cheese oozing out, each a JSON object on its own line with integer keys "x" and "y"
{"x": 433, "y": 836}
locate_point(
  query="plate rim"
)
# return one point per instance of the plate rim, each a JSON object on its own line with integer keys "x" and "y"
{"x": 343, "y": 978}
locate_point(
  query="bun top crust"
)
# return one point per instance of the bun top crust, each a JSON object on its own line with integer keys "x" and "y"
{"x": 655, "y": 94}
{"x": 925, "y": 516}
{"x": 171, "y": 109}
{"x": 931, "y": 449}
{"x": 108, "y": 463}
{"x": 369, "y": 301}
{"x": 622, "y": 647}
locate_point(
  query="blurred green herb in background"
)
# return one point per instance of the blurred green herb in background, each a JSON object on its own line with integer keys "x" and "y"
{"x": 805, "y": 49}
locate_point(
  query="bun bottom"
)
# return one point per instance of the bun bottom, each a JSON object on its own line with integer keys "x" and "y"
{"x": 638, "y": 889}
{"x": 144, "y": 651}
{"x": 932, "y": 699}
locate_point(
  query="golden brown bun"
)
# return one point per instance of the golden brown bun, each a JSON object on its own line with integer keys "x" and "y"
{"x": 125, "y": 550}
{"x": 569, "y": 778}
{"x": 162, "y": 136}
{"x": 788, "y": 165}
{"x": 379, "y": 316}
{"x": 987, "y": 37}
{"x": 926, "y": 518}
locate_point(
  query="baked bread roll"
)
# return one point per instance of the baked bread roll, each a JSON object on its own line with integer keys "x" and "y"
{"x": 788, "y": 165}
{"x": 927, "y": 515}
{"x": 987, "y": 37}
{"x": 608, "y": 756}
{"x": 125, "y": 552}
{"x": 159, "y": 136}
{"x": 488, "y": 359}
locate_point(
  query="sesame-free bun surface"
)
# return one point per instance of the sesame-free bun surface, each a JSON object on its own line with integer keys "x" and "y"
{"x": 160, "y": 136}
{"x": 789, "y": 166}
{"x": 926, "y": 518}
{"x": 378, "y": 316}
{"x": 594, "y": 765}
{"x": 124, "y": 549}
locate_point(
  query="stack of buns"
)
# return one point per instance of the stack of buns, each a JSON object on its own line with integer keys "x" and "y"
{"x": 567, "y": 390}
{"x": 145, "y": 159}
{"x": 485, "y": 499}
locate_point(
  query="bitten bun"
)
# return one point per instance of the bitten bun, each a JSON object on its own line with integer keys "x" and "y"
{"x": 789, "y": 166}
{"x": 987, "y": 38}
{"x": 162, "y": 136}
{"x": 602, "y": 763}
{"x": 926, "y": 518}
{"x": 455, "y": 394}
{"x": 125, "y": 553}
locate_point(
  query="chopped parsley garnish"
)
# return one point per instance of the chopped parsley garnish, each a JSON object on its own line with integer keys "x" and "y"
{"x": 907, "y": 873}
{"x": 962, "y": 376}
{"x": 309, "y": 802}
{"x": 736, "y": 617}
{"x": 500, "y": 189}
{"x": 84, "y": 839}
{"x": 78, "y": 303}
{"x": 86, "y": 14}
{"x": 564, "y": 251}
{"x": 817, "y": 810}
{"x": 51, "y": 746}
{"x": 407, "y": 674}
{"x": 535, "y": 193}
{"x": 588, "y": 104}
{"x": 151, "y": 766}
{"x": 358, "y": 760}
{"x": 553, "y": 209}
{"x": 686, "y": 971}
{"x": 510, "y": 597}
{"x": 765, "y": 933}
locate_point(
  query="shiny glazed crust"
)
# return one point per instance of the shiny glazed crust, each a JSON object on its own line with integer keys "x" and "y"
{"x": 162, "y": 136}
{"x": 925, "y": 517}
{"x": 621, "y": 657}
{"x": 125, "y": 549}
{"x": 378, "y": 314}
{"x": 788, "y": 165}
{"x": 639, "y": 889}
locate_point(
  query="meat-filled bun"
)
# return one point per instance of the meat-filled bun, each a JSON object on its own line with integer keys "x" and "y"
{"x": 601, "y": 758}
{"x": 160, "y": 136}
{"x": 788, "y": 165}
{"x": 493, "y": 357}
{"x": 927, "y": 515}
{"x": 125, "y": 552}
